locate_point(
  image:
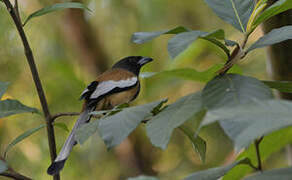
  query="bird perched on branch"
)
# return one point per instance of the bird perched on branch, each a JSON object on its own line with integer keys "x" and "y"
{"x": 116, "y": 86}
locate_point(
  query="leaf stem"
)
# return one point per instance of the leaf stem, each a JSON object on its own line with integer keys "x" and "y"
{"x": 237, "y": 54}
{"x": 54, "y": 117}
{"x": 257, "y": 10}
{"x": 257, "y": 147}
{"x": 37, "y": 81}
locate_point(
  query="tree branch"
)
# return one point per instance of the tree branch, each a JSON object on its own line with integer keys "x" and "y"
{"x": 257, "y": 147}
{"x": 237, "y": 54}
{"x": 14, "y": 175}
{"x": 17, "y": 10}
{"x": 33, "y": 68}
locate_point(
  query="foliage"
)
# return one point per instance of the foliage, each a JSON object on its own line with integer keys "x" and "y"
{"x": 216, "y": 173}
{"x": 22, "y": 137}
{"x": 273, "y": 37}
{"x": 235, "y": 12}
{"x": 276, "y": 8}
{"x": 244, "y": 106}
{"x": 9, "y": 106}
{"x": 160, "y": 128}
{"x": 283, "y": 173}
{"x": 55, "y": 7}
{"x": 115, "y": 128}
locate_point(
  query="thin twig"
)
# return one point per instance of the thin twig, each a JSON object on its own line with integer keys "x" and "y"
{"x": 253, "y": 166}
{"x": 54, "y": 117}
{"x": 244, "y": 41}
{"x": 14, "y": 175}
{"x": 257, "y": 146}
{"x": 237, "y": 54}
{"x": 41, "y": 94}
{"x": 17, "y": 10}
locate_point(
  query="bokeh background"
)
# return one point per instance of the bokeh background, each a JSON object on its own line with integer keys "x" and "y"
{"x": 71, "y": 47}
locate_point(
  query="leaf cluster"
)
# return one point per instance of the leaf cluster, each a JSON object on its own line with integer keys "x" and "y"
{"x": 244, "y": 106}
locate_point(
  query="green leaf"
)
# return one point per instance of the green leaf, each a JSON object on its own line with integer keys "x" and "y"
{"x": 55, "y": 7}
{"x": 282, "y": 86}
{"x": 191, "y": 74}
{"x": 9, "y": 107}
{"x": 62, "y": 126}
{"x": 114, "y": 129}
{"x": 234, "y": 12}
{"x": 247, "y": 122}
{"x": 199, "y": 143}
{"x": 271, "y": 143}
{"x": 142, "y": 37}
{"x": 187, "y": 74}
{"x": 274, "y": 174}
{"x": 273, "y": 37}
{"x": 219, "y": 44}
{"x": 233, "y": 89}
{"x": 276, "y": 8}
{"x": 161, "y": 126}
{"x": 3, "y": 88}
{"x": 143, "y": 178}
{"x": 215, "y": 173}
{"x": 22, "y": 137}
{"x": 182, "y": 41}
{"x": 3, "y": 166}
{"x": 225, "y": 93}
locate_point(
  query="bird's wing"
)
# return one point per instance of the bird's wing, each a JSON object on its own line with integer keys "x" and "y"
{"x": 105, "y": 87}
{"x": 113, "y": 81}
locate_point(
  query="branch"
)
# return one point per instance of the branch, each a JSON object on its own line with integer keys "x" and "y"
{"x": 237, "y": 54}
{"x": 257, "y": 146}
{"x": 54, "y": 117}
{"x": 33, "y": 69}
{"x": 14, "y": 175}
{"x": 17, "y": 10}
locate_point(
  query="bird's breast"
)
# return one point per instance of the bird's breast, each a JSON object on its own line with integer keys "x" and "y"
{"x": 115, "y": 99}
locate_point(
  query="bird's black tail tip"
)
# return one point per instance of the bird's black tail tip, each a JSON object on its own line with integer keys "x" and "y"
{"x": 56, "y": 167}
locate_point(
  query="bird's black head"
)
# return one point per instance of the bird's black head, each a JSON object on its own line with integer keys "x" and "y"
{"x": 132, "y": 63}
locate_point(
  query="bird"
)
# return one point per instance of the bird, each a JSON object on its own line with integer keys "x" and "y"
{"x": 116, "y": 86}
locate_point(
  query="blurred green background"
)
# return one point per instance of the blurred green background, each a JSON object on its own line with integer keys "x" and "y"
{"x": 71, "y": 47}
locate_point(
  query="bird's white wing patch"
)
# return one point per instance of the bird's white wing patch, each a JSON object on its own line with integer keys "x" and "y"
{"x": 106, "y": 86}
{"x": 85, "y": 91}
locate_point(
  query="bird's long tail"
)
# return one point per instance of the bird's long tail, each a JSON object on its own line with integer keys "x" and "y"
{"x": 59, "y": 162}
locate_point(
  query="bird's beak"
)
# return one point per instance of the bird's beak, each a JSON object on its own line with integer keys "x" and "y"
{"x": 144, "y": 61}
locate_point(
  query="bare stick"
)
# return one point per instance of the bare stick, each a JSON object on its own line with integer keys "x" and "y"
{"x": 33, "y": 68}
